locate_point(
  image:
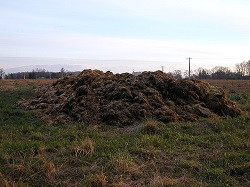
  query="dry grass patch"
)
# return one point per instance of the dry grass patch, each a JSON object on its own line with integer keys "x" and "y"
{"x": 50, "y": 170}
{"x": 161, "y": 181}
{"x": 86, "y": 148}
{"x": 19, "y": 169}
{"x": 99, "y": 180}
{"x": 125, "y": 163}
{"x": 4, "y": 182}
{"x": 239, "y": 85}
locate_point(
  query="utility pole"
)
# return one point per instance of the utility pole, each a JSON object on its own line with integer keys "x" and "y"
{"x": 189, "y": 66}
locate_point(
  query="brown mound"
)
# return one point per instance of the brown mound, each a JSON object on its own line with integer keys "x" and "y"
{"x": 123, "y": 99}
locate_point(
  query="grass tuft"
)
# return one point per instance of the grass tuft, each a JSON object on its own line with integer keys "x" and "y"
{"x": 86, "y": 148}
{"x": 50, "y": 170}
{"x": 124, "y": 163}
{"x": 99, "y": 180}
{"x": 150, "y": 126}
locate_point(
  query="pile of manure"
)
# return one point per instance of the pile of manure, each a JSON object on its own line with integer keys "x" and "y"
{"x": 95, "y": 97}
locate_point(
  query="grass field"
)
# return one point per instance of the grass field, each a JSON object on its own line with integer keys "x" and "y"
{"x": 208, "y": 152}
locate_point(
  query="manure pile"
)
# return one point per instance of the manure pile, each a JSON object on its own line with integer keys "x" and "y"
{"x": 95, "y": 97}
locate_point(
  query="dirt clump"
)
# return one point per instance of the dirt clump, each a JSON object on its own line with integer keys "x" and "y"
{"x": 96, "y": 97}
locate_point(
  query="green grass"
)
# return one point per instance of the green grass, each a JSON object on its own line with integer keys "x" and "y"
{"x": 209, "y": 152}
{"x": 242, "y": 98}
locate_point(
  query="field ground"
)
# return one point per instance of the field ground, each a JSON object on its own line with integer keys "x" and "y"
{"x": 208, "y": 152}
{"x": 12, "y": 84}
{"x": 237, "y": 85}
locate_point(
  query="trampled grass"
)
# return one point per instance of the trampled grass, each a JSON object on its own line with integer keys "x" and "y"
{"x": 208, "y": 152}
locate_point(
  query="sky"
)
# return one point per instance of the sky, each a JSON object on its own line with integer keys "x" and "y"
{"x": 128, "y": 33}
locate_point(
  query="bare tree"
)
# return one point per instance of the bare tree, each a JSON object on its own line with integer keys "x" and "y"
{"x": 202, "y": 73}
{"x": 220, "y": 72}
{"x": 186, "y": 73}
{"x": 62, "y": 72}
{"x": 241, "y": 68}
{"x": 177, "y": 74}
{"x": 1, "y": 73}
{"x": 248, "y": 67}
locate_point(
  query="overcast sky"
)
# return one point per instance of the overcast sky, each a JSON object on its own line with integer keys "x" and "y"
{"x": 165, "y": 32}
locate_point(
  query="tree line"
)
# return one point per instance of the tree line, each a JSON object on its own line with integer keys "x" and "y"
{"x": 241, "y": 71}
{"x": 36, "y": 74}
